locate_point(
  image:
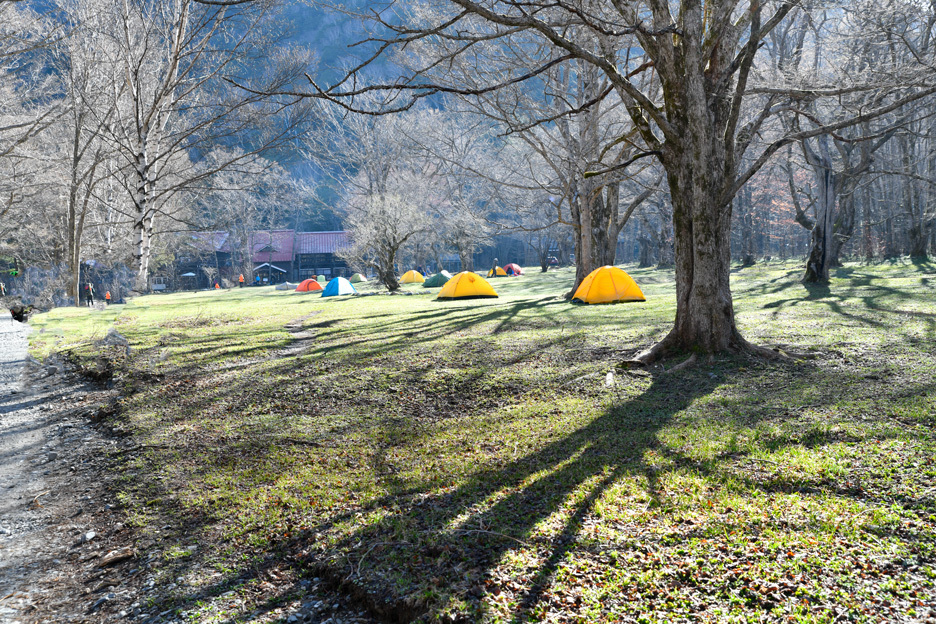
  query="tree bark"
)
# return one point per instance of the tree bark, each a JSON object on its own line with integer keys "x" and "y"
{"x": 705, "y": 318}
{"x": 820, "y": 249}
{"x": 386, "y": 270}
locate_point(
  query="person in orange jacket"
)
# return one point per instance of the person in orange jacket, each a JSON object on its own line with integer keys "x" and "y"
{"x": 216, "y": 286}
{"x": 107, "y": 298}
{"x": 240, "y": 280}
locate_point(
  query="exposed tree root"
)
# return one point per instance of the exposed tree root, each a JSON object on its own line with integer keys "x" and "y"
{"x": 687, "y": 364}
{"x": 671, "y": 346}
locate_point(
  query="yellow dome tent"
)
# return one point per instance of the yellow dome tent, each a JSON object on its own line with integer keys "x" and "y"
{"x": 608, "y": 284}
{"x": 500, "y": 272}
{"x": 412, "y": 277}
{"x": 466, "y": 285}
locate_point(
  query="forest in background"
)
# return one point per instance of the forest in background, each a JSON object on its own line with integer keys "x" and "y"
{"x": 124, "y": 124}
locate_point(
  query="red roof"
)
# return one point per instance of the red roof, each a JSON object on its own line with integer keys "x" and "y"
{"x": 273, "y": 246}
{"x": 320, "y": 242}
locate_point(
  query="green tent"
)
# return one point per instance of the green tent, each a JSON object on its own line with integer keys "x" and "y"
{"x": 438, "y": 280}
{"x": 321, "y": 279}
{"x": 357, "y": 278}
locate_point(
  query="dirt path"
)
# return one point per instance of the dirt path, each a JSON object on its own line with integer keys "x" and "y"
{"x": 53, "y": 511}
{"x": 65, "y": 554}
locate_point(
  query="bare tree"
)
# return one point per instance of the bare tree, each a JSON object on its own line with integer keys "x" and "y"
{"x": 174, "y": 59}
{"x": 702, "y": 112}
{"x": 86, "y": 158}
{"x": 383, "y": 223}
{"x": 255, "y": 194}
{"x": 27, "y": 107}
{"x": 582, "y": 135}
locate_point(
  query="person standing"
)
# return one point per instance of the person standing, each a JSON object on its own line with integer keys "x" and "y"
{"x": 2, "y": 289}
{"x": 107, "y": 298}
{"x": 90, "y": 289}
{"x": 494, "y": 269}
{"x": 240, "y": 280}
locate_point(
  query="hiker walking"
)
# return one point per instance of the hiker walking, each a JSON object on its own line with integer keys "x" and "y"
{"x": 494, "y": 269}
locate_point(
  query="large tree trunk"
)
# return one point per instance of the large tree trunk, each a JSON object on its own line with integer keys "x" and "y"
{"x": 844, "y": 226}
{"x": 645, "y": 250}
{"x": 665, "y": 247}
{"x": 466, "y": 258}
{"x": 914, "y": 205}
{"x": 704, "y": 312}
{"x": 583, "y": 213}
{"x": 143, "y": 220}
{"x": 607, "y": 227}
{"x": 820, "y": 250}
{"x": 386, "y": 270}
{"x": 867, "y": 242}
{"x": 746, "y": 213}
{"x": 919, "y": 235}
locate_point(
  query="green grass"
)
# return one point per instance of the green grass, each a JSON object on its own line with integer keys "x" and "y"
{"x": 468, "y": 461}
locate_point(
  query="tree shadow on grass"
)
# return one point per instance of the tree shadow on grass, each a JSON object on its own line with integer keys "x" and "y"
{"x": 428, "y": 326}
{"x": 455, "y": 536}
{"x": 426, "y": 545}
{"x": 871, "y": 302}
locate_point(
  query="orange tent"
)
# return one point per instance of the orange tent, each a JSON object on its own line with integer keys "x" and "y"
{"x": 411, "y": 277}
{"x": 608, "y": 284}
{"x": 309, "y": 285}
{"x": 466, "y": 285}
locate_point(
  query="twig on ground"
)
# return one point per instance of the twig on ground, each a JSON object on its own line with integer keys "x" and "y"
{"x": 35, "y": 500}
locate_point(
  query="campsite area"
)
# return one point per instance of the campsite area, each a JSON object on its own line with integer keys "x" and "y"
{"x": 490, "y": 460}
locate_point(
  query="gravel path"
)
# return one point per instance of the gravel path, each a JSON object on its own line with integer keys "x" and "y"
{"x": 21, "y": 439}
{"x": 51, "y": 495}
{"x": 65, "y": 553}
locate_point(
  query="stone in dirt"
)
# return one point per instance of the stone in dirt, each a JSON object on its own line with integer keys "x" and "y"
{"x": 115, "y": 338}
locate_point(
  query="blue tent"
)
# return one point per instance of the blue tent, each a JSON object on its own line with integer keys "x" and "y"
{"x": 338, "y": 286}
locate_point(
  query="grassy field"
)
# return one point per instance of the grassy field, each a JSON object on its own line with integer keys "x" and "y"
{"x": 486, "y": 461}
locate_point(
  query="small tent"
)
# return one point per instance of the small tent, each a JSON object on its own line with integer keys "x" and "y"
{"x": 466, "y": 285}
{"x": 608, "y": 284}
{"x": 309, "y": 285}
{"x": 338, "y": 286}
{"x": 357, "y": 278}
{"x": 321, "y": 279}
{"x": 285, "y": 286}
{"x": 500, "y": 272}
{"x": 437, "y": 280}
{"x": 412, "y": 277}
{"x": 513, "y": 269}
